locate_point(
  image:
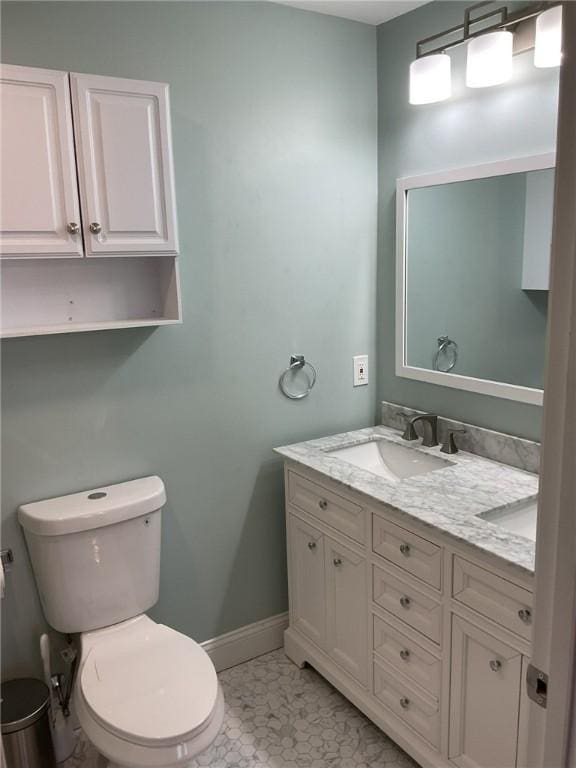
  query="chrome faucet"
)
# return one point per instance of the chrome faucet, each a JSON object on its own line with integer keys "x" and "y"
{"x": 430, "y": 425}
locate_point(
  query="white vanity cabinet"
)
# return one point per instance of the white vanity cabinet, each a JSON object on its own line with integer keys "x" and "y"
{"x": 486, "y": 682}
{"x": 328, "y": 595}
{"x": 87, "y": 172}
{"x": 427, "y": 637}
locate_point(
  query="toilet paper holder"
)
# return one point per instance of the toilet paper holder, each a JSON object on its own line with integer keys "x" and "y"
{"x": 7, "y": 558}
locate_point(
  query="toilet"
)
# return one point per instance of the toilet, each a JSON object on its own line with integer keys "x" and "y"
{"x": 145, "y": 695}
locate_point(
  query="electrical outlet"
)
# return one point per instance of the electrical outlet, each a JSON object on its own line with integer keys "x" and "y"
{"x": 360, "y": 370}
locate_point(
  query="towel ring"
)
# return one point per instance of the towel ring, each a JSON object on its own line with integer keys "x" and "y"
{"x": 445, "y": 346}
{"x": 297, "y": 362}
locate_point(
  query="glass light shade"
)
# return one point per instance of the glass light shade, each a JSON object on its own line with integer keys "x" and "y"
{"x": 430, "y": 79}
{"x": 489, "y": 60}
{"x": 548, "y": 46}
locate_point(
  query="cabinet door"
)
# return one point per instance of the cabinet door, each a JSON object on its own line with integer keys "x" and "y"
{"x": 346, "y": 608}
{"x": 39, "y": 210}
{"x": 307, "y": 583}
{"x": 484, "y": 700}
{"x": 123, "y": 143}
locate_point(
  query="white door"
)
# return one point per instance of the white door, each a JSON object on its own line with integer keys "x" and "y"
{"x": 307, "y": 590}
{"x": 123, "y": 144}
{"x": 346, "y": 609}
{"x": 39, "y": 210}
{"x": 484, "y": 699}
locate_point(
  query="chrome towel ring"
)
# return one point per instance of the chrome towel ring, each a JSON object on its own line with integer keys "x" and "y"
{"x": 297, "y": 362}
{"x": 447, "y": 348}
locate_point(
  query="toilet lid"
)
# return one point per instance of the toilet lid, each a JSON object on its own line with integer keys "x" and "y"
{"x": 157, "y": 687}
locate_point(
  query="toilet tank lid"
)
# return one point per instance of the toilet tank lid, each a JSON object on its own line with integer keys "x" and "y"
{"x": 94, "y": 508}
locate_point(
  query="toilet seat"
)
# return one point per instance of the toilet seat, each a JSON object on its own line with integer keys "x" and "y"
{"x": 146, "y": 694}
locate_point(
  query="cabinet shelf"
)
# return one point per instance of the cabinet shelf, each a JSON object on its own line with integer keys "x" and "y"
{"x": 45, "y": 296}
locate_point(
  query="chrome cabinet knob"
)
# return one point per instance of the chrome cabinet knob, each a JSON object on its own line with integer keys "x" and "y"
{"x": 405, "y": 602}
{"x": 337, "y": 562}
{"x": 311, "y": 545}
{"x": 405, "y": 549}
{"x": 495, "y": 665}
{"x": 95, "y": 228}
{"x": 404, "y": 654}
{"x": 323, "y": 504}
{"x": 404, "y": 702}
{"x": 525, "y": 615}
{"x": 73, "y": 228}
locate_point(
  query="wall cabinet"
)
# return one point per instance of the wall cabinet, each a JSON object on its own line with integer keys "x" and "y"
{"x": 39, "y": 207}
{"x": 87, "y": 172}
{"x": 426, "y": 637}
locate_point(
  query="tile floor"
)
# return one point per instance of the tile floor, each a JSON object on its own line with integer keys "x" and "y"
{"x": 279, "y": 716}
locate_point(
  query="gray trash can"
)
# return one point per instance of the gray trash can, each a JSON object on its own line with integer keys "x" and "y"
{"x": 25, "y": 726}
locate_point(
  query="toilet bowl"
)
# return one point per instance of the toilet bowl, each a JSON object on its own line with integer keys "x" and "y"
{"x": 145, "y": 695}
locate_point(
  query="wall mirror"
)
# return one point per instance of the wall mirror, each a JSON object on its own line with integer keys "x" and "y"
{"x": 473, "y": 256}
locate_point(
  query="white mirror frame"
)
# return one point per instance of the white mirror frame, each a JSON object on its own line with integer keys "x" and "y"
{"x": 403, "y": 186}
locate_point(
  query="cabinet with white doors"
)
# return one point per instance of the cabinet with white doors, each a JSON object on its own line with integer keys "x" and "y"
{"x": 88, "y": 230}
{"x": 429, "y": 638}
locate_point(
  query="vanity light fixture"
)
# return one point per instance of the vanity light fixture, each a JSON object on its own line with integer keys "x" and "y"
{"x": 489, "y": 59}
{"x": 548, "y": 44}
{"x": 489, "y": 34}
{"x": 430, "y": 79}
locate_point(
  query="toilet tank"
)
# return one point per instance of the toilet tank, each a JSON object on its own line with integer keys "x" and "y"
{"x": 96, "y": 554}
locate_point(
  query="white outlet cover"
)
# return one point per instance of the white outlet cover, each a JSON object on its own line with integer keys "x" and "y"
{"x": 360, "y": 370}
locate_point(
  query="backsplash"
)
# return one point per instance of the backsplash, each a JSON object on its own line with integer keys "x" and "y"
{"x": 514, "y": 451}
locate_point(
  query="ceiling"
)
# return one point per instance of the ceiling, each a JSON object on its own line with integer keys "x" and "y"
{"x": 368, "y": 11}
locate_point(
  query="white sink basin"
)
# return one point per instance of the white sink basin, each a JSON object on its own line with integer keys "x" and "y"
{"x": 519, "y": 519}
{"x": 390, "y": 460}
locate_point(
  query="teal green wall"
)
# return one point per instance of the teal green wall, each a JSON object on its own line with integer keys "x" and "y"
{"x": 475, "y": 126}
{"x": 274, "y": 126}
{"x": 465, "y": 248}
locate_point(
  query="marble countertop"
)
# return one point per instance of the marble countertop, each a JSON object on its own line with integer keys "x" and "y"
{"x": 447, "y": 500}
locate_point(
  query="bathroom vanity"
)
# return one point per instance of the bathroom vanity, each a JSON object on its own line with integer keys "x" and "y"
{"x": 411, "y": 590}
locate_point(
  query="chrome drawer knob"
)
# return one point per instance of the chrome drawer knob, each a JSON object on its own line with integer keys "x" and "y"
{"x": 525, "y": 615}
{"x": 337, "y": 562}
{"x": 405, "y": 549}
{"x": 405, "y": 654}
{"x": 323, "y": 504}
{"x": 73, "y": 228}
{"x": 404, "y": 702}
{"x": 405, "y": 602}
{"x": 95, "y": 228}
{"x": 311, "y": 545}
{"x": 495, "y": 665}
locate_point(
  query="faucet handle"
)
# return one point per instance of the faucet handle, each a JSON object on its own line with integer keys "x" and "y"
{"x": 449, "y": 444}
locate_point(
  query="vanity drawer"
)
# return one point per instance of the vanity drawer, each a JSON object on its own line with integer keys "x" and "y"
{"x": 416, "y": 709}
{"x": 420, "y": 611}
{"x": 343, "y": 515}
{"x": 406, "y": 656}
{"x": 408, "y": 551}
{"x": 493, "y": 597}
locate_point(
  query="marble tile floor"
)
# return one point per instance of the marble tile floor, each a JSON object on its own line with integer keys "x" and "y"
{"x": 279, "y": 716}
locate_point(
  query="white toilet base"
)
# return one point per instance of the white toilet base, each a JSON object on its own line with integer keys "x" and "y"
{"x": 118, "y": 753}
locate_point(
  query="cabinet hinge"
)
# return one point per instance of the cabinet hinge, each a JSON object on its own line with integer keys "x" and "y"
{"x": 537, "y": 685}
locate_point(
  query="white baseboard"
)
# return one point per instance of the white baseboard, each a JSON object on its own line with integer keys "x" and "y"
{"x": 247, "y": 642}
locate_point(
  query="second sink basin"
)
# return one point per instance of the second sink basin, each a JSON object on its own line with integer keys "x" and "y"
{"x": 521, "y": 518}
{"x": 389, "y": 460}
